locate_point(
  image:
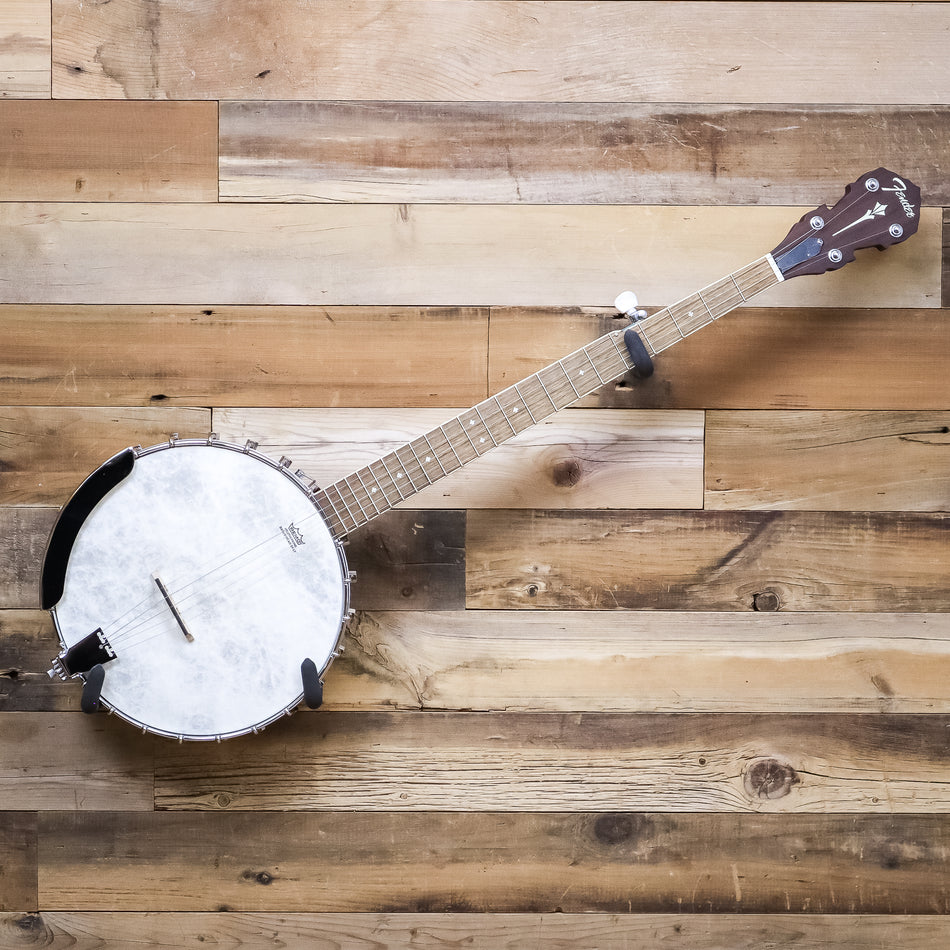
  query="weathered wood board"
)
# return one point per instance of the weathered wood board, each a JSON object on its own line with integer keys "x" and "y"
{"x": 519, "y": 51}
{"x": 434, "y": 255}
{"x": 566, "y": 153}
{"x": 109, "y": 151}
{"x": 25, "y": 47}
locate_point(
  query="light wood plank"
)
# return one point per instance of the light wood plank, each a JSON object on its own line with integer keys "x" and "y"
{"x": 70, "y": 761}
{"x": 664, "y": 661}
{"x": 46, "y": 453}
{"x": 60, "y": 930}
{"x": 18, "y": 847}
{"x": 242, "y": 356}
{"x": 519, "y": 762}
{"x": 439, "y": 255}
{"x": 581, "y": 862}
{"x": 109, "y": 151}
{"x": 788, "y": 52}
{"x": 788, "y": 560}
{"x": 24, "y": 532}
{"x": 25, "y": 49}
{"x": 755, "y": 358}
{"x": 875, "y": 461}
{"x": 566, "y": 153}
{"x": 574, "y": 459}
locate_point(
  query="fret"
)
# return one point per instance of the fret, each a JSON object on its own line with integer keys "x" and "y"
{"x": 485, "y": 426}
{"x": 405, "y": 468}
{"x": 379, "y": 484}
{"x": 343, "y": 502}
{"x": 435, "y": 454}
{"x": 450, "y": 445}
{"x": 356, "y": 498}
{"x": 514, "y": 431}
{"x": 706, "y": 305}
{"x": 567, "y": 376}
{"x": 741, "y": 294}
{"x": 369, "y": 496}
{"x": 467, "y": 436}
{"x": 422, "y": 462}
{"x": 593, "y": 365}
{"x": 527, "y": 408}
{"x": 393, "y": 480}
{"x": 546, "y": 393}
{"x": 623, "y": 355}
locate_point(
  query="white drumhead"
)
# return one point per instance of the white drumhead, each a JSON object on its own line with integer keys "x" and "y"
{"x": 251, "y": 566}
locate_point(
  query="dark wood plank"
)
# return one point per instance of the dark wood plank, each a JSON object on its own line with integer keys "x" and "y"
{"x": 524, "y": 762}
{"x": 24, "y": 532}
{"x": 876, "y": 461}
{"x": 109, "y": 151}
{"x": 423, "y": 255}
{"x": 29, "y": 645}
{"x": 754, "y": 358}
{"x": 568, "y": 153}
{"x": 708, "y": 560}
{"x": 410, "y": 560}
{"x": 799, "y": 52}
{"x": 397, "y": 862}
{"x": 72, "y": 761}
{"x": 63, "y": 930}
{"x": 17, "y": 861}
{"x": 242, "y": 356}
{"x": 45, "y": 453}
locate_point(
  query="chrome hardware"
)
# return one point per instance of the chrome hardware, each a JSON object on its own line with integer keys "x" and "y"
{"x": 173, "y": 438}
{"x": 895, "y": 230}
{"x": 285, "y": 462}
{"x": 872, "y": 184}
{"x": 817, "y": 222}
{"x": 212, "y": 437}
{"x": 627, "y": 303}
{"x": 835, "y": 256}
{"x": 250, "y": 445}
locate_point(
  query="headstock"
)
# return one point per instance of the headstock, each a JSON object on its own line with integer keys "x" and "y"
{"x": 878, "y": 210}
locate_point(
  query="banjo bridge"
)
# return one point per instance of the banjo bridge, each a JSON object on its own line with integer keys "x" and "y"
{"x": 92, "y": 650}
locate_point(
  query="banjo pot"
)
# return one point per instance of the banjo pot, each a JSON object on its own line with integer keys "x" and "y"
{"x": 196, "y": 589}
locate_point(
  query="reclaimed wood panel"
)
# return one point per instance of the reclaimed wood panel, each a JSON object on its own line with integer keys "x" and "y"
{"x": 242, "y": 356}
{"x": 400, "y": 862}
{"x": 588, "y": 661}
{"x": 567, "y": 153}
{"x": 875, "y": 461}
{"x": 524, "y": 51}
{"x": 574, "y": 459}
{"x": 724, "y": 560}
{"x": 515, "y": 762}
{"x": 45, "y": 453}
{"x": 109, "y": 151}
{"x": 56, "y": 761}
{"x": 171, "y": 931}
{"x": 25, "y": 532}
{"x": 755, "y": 358}
{"x": 18, "y": 864}
{"x": 25, "y": 48}
{"x": 663, "y": 661}
{"x": 432, "y": 255}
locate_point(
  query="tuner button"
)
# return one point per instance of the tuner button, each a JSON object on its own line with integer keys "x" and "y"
{"x": 835, "y": 256}
{"x": 817, "y": 222}
{"x": 895, "y": 230}
{"x": 872, "y": 184}
{"x": 626, "y": 303}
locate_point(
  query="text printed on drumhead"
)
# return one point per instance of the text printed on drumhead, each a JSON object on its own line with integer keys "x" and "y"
{"x": 292, "y": 536}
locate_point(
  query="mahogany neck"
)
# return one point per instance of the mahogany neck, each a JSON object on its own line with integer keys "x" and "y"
{"x": 376, "y": 488}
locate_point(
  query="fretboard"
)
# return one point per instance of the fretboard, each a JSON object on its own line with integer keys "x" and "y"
{"x": 376, "y": 488}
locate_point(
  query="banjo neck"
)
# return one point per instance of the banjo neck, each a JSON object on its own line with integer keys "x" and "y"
{"x": 374, "y": 489}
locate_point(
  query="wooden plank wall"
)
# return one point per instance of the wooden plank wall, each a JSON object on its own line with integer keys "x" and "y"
{"x": 672, "y": 669}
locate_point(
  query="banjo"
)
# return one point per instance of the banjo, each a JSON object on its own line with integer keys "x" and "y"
{"x": 199, "y": 588}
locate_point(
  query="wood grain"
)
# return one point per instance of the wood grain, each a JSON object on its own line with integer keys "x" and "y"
{"x": 18, "y": 865}
{"x": 29, "y": 645}
{"x": 252, "y": 931}
{"x": 170, "y": 931}
{"x": 788, "y": 53}
{"x": 241, "y": 356}
{"x": 519, "y": 762}
{"x": 45, "y": 453}
{"x": 581, "y": 862}
{"x": 876, "y": 461}
{"x": 109, "y": 151}
{"x": 25, "y": 532}
{"x": 574, "y": 459}
{"x": 432, "y": 255}
{"x": 566, "y": 153}
{"x": 664, "y": 661}
{"x": 755, "y": 358}
{"x": 43, "y": 769}
{"x": 25, "y": 48}
{"x": 707, "y": 560}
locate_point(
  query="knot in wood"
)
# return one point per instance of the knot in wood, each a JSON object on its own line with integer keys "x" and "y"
{"x": 614, "y": 829}
{"x": 770, "y": 778}
{"x": 766, "y": 600}
{"x": 566, "y": 473}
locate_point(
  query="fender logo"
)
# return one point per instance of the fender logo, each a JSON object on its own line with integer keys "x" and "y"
{"x": 292, "y": 536}
{"x": 900, "y": 192}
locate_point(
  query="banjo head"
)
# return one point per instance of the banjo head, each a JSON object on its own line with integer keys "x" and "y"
{"x": 212, "y": 575}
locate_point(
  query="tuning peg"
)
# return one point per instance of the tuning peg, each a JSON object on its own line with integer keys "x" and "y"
{"x": 626, "y": 303}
